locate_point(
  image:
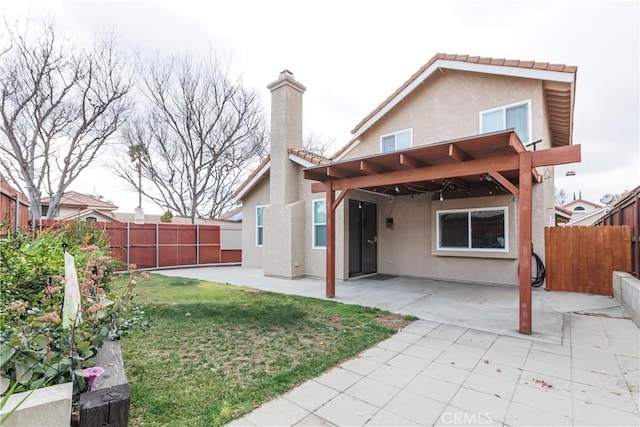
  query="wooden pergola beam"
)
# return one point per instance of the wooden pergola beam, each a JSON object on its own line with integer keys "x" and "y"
{"x": 408, "y": 161}
{"x": 471, "y": 167}
{"x": 523, "y": 162}
{"x": 497, "y": 176}
{"x": 336, "y": 172}
{"x": 369, "y": 167}
{"x": 457, "y": 154}
{"x": 525, "y": 207}
{"x": 330, "y": 290}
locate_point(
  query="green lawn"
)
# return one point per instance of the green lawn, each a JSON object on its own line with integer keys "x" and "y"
{"x": 215, "y": 352}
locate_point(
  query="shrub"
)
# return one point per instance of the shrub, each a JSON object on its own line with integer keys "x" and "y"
{"x": 36, "y": 349}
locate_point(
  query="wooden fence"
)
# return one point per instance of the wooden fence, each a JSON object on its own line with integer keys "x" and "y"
{"x": 583, "y": 259}
{"x": 162, "y": 245}
{"x": 14, "y": 208}
{"x": 626, "y": 211}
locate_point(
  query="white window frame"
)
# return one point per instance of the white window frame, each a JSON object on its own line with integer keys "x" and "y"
{"x": 504, "y": 109}
{"x": 410, "y": 130}
{"x": 259, "y": 245}
{"x": 505, "y": 209}
{"x": 314, "y": 223}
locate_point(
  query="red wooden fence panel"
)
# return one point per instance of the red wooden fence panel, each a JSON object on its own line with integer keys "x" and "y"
{"x": 583, "y": 259}
{"x": 162, "y": 245}
{"x": 14, "y": 208}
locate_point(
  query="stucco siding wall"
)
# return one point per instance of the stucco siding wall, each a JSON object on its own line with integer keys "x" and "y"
{"x": 315, "y": 261}
{"x": 259, "y": 196}
{"x": 448, "y": 106}
{"x": 409, "y": 249}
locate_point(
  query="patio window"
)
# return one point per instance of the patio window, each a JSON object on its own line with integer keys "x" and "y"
{"x": 259, "y": 225}
{"x": 516, "y": 116}
{"x": 396, "y": 141}
{"x": 319, "y": 223}
{"x": 482, "y": 229}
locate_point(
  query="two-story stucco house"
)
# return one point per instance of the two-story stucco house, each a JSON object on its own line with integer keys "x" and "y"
{"x": 429, "y": 186}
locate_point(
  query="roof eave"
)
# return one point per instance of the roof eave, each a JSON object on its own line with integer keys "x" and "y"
{"x": 531, "y": 73}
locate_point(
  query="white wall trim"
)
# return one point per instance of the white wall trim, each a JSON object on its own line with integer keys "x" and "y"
{"x": 504, "y": 108}
{"x": 302, "y": 162}
{"x": 261, "y": 226}
{"x": 410, "y": 130}
{"x": 505, "y": 209}
{"x": 313, "y": 224}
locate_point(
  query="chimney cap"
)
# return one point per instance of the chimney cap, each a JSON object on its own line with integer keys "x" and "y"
{"x": 286, "y": 79}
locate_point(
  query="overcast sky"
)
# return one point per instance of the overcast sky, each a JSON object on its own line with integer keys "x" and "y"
{"x": 352, "y": 54}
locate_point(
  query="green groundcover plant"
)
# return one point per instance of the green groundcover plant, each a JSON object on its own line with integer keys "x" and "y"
{"x": 35, "y": 349}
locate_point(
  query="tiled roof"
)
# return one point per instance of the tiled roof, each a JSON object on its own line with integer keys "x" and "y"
{"x": 543, "y": 66}
{"x": 474, "y": 60}
{"x": 309, "y": 156}
{"x": 73, "y": 198}
{"x": 253, "y": 175}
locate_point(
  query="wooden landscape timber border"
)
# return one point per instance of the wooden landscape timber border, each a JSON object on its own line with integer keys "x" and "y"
{"x": 109, "y": 400}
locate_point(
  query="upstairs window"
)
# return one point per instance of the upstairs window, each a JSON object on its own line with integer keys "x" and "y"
{"x": 396, "y": 141}
{"x": 483, "y": 229}
{"x": 319, "y": 223}
{"x": 259, "y": 225}
{"x": 515, "y": 116}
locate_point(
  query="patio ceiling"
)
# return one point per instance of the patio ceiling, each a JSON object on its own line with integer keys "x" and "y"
{"x": 495, "y": 153}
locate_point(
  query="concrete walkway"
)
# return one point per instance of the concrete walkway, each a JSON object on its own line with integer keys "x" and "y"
{"x": 464, "y": 362}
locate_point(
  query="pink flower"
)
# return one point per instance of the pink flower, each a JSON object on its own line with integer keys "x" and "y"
{"x": 52, "y": 317}
{"x": 50, "y": 290}
{"x": 92, "y": 373}
{"x": 90, "y": 248}
{"x": 19, "y": 306}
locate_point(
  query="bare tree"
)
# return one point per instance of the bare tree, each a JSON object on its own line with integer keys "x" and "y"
{"x": 318, "y": 145}
{"x": 59, "y": 103}
{"x": 561, "y": 197}
{"x": 196, "y": 135}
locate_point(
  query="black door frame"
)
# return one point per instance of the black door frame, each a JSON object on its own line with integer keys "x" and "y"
{"x": 364, "y": 245}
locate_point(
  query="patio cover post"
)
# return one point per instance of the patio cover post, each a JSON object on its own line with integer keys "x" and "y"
{"x": 524, "y": 271}
{"x": 331, "y": 241}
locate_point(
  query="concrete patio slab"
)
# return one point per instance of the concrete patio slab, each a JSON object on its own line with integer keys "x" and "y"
{"x": 489, "y": 308}
{"x": 464, "y": 363}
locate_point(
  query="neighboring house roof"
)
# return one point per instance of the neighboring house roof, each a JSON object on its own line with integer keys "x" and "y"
{"x": 155, "y": 219}
{"x": 560, "y": 100}
{"x": 75, "y": 199}
{"x": 98, "y": 214}
{"x": 566, "y": 212}
{"x": 300, "y": 156}
{"x": 580, "y": 202}
{"x": 233, "y": 215}
{"x": 590, "y": 218}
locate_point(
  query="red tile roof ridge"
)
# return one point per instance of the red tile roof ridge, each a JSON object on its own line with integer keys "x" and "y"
{"x": 251, "y": 176}
{"x": 461, "y": 58}
{"x": 309, "y": 156}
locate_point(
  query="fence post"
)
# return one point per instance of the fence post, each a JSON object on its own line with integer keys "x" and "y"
{"x": 198, "y": 244}
{"x": 157, "y": 246}
{"x": 128, "y": 244}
